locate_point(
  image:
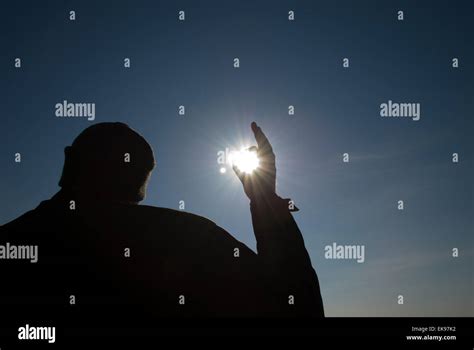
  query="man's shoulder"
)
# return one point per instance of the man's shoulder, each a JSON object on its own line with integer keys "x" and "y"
{"x": 124, "y": 212}
{"x": 186, "y": 223}
{"x": 142, "y": 219}
{"x": 166, "y": 214}
{"x": 20, "y": 221}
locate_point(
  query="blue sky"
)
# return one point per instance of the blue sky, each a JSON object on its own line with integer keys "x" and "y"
{"x": 282, "y": 63}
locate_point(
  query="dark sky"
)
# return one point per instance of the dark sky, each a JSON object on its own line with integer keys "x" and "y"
{"x": 283, "y": 63}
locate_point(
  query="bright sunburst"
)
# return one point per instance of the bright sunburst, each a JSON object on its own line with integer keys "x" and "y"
{"x": 245, "y": 160}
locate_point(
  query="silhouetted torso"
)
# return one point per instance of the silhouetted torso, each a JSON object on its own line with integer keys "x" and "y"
{"x": 129, "y": 263}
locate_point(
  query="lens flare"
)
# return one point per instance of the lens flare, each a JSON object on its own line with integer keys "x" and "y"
{"x": 245, "y": 160}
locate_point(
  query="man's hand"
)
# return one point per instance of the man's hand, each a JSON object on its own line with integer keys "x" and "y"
{"x": 260, "y": 184}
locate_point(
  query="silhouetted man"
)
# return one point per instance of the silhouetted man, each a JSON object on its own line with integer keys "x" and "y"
{"x": 102, "y": 257}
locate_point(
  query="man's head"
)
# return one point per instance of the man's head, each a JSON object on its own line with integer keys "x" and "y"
{"x": 108, "y": 161}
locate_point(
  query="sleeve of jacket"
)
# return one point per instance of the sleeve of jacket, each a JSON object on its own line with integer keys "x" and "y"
{"x": 287, "y": 268}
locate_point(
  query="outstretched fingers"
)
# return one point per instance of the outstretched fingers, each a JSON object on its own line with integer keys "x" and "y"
{"x": 265, "y": 150}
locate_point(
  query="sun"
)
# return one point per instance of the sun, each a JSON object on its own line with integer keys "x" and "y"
{"x": 245, "y": 160}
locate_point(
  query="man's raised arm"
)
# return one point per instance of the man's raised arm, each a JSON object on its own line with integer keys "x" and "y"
{"x": 281, "y": 251}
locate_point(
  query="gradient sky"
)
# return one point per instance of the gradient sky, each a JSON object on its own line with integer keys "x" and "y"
{"x": 282, "y": 63}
